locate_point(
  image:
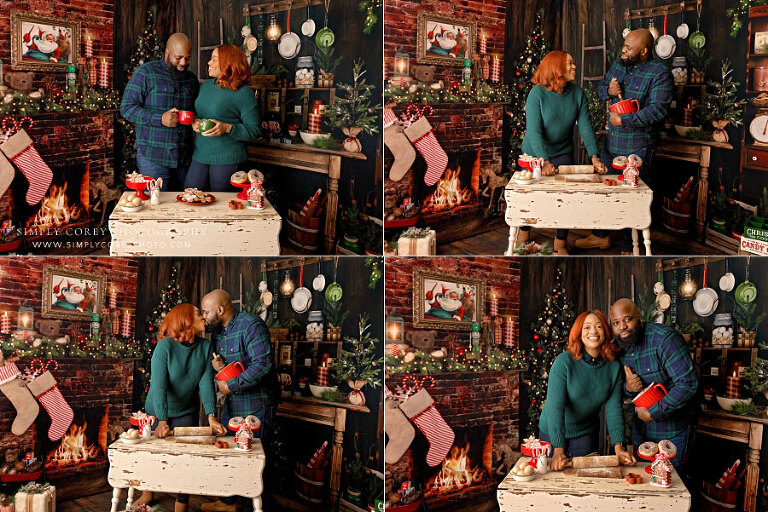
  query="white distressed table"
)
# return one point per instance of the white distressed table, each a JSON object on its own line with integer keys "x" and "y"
{"x": 172, "y": 229}
{"x": 164, "y": 466}
{"x": 559, "y": 204}
{"x": 558, "y": 491}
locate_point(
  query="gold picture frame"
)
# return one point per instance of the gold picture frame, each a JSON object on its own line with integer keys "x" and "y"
{"x": 273, "y": 102}
{"x": 444, "y": 300}
{"x": 37, "y": 37}
{"x": 72, "y": 294}
{"x": 444, "y": 40}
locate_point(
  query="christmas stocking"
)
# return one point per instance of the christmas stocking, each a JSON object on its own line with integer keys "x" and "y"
{"x": 47, "y": 391}
{"x": 16, "y": 390}
{"x": 399, "y": 431}
{"x": 399, "y": 145}
{"x": 6, "y": 174}
{"x": 21, "y": 150}
{"x": 423, "y": 137}
{"x": 420, "y": 409}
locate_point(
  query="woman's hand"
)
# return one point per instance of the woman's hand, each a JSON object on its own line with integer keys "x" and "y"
{"x": 598, "y": 165}
{"x": 162, "y": 429}
{"x": 625, "y": 457}
{"x": 218, "y": 428}
{"x": 219, "y": 128}
{"x": 548, "y": 169}
{"x": 558, "y": 460}
{"x": 196, "y": 125}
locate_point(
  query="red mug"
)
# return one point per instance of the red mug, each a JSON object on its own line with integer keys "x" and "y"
{"x": 650, "y": 395}
{"x": 186, "y": 116}
{"x": 625, "y": 106}
{"x": 231, "y": 371}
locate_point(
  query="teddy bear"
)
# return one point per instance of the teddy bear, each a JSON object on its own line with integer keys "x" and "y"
{"x": 422, "y": 340}
{"x": 20, "y": 82}
{"x": 423, "y": 73}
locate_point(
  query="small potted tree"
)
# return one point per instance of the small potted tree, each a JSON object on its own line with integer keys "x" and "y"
{"x": 362, "y": 364}
{"x": 748, "y": 320}
{"x": 757, "y": 377}
{"x": 335, "y": 315}
{"x": 327, "y": 65}
{"x": 352, "y": 227}
{"x": 352, "y": 111}
{"x": 699, "y": 60}
{"x": 721, "y": 106}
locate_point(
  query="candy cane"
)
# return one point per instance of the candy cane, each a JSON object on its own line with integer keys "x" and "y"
{"x": 309, "y": 202}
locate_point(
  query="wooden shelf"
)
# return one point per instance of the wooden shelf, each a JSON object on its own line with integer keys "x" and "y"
{"x": 270, "y": 6}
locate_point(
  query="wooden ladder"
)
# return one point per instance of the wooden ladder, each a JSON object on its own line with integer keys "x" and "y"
{"x": 221, "y": 42}
{"x": 584, "y": 49}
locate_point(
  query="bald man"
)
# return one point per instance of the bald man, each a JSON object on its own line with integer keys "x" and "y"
{"x": 656, "y": 353}
{"x": 155, "y": 94}
{"x": 244, "y": 337}
{"x": 636, "y": 75}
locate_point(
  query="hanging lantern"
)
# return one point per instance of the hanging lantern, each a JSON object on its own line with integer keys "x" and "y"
{"x": 287, "y": 287}
{"x": 688, "y": 287}
{"x": 26, "y": 317}
{"x": 273, "y": 31}
{"x": 402, "y": 63}
{"x": 395, "y": 331}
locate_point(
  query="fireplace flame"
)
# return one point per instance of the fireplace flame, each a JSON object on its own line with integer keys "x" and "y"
{"x": 449, "y": 192}
{"x": 73, "y": 447}
{"x": 55, "y": 210}
{"x": 456, "y": 473}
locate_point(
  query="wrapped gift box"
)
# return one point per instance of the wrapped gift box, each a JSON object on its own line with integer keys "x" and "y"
{"x": 36, "y": 498}
{"x": 417, "y": 242}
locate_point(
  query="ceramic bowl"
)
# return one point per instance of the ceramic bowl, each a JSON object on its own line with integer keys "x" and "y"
{"x": 317, "y": 391}
{"x": 309, "y": 138}
{"x": 524, "y": 478}
{"x": 728, "y": 403}
{"x": 132, "y": 209}
{"x": 131, "y": 441}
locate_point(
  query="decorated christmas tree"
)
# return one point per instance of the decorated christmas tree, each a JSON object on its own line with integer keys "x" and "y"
{"x": 550, "y": 338}
{"x": 148, "y": 49}
{"x": 523, "y": 68}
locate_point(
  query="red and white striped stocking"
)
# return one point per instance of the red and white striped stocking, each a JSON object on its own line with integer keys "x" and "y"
{"x": 421, "y": 134}
{"x": 46, "y": 390}
{"x": 420, "y": 409}
{"x": 20, "y": 149}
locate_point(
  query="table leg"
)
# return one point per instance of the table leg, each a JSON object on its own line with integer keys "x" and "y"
{"x": 635, "y": 246}
{"x": 701, "y": 200}
{"x": 332, "y": 202}
{"x": 338, "y": 450}
{"x": 257, "y": 504}
{"x": 131, "y": 490}
{"x": 513, "y": 230}
{"x": 753, "y": 466}
{"x": 647, "y": 241}
{"x": 115, "y": 499}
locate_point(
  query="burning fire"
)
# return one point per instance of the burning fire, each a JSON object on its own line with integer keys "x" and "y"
{"x": 449, "y": 192}
{"x": 55, "y": 210}
{"x": 74, "y": 447}
{"x": 456, "y": 473}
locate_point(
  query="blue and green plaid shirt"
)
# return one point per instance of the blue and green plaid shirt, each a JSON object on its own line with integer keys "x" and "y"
{"x": 662, "y": 357}
{"x": 651, "y": 84}
{"x": 246, "y": 339}
{"x": 152, "y": 90}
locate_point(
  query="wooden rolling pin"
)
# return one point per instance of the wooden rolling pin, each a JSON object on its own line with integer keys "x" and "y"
{"x": 579, "y": 178}
{"x": 190, "y": 431}
{"x": 576, "y": 169}
{"x": 594, "y": 461}
{"x": 193, "y": 439}
{"x": 614, "y": 472}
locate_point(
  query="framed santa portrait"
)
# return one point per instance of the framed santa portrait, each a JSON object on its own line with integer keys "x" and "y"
{"x": 444, "y": 40}
{"x": 43, "y": 43}
{"x": 72, "y": 294}
{"x": 444, "y": 300}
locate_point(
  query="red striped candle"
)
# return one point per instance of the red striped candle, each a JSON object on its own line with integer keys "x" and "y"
{"x": 103, "y": 74}
{"x": 315, "y": 123}
{"x": 495, "y": 69}
{"x": 92, "y": 77}
{"x": 5, "y": 325}
{"x": 112, "y": 298}
{"x": 125, "y": 328}
{"x": 509, "y": 340}
{"x": 88, "y": 47}
{"x": 494, "y": 305}
{"x": 497, "y": 336}
{"x": 483, "y": 45}
{"x": 322, "y": 375}
{"x": 115, "y": 321}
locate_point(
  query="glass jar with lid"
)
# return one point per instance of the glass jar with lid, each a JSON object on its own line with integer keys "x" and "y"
{"x": 722, "y": 330}
{"x": 315, "y": 325}
{"x": 305, "y": 72}
{"x": 680, "y": 70}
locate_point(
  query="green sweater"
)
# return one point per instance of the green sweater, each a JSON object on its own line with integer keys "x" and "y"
{"x": 178, "y": 373}
{"x": 238, "y": 108}
{"x": 575, "y": 393}
{"x": 549, "y": 120}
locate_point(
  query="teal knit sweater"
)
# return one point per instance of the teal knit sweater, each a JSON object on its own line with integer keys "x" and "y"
{"x": 549, "y": 120}
{"x": 178, "y": 374}
{"x": 238, "y": 108}
{"x": 575, "y": 393}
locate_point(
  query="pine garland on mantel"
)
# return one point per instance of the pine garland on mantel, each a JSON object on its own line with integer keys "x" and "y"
{"x": 425, "y": 94}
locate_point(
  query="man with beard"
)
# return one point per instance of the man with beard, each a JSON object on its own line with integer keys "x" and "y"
{"x": 155, "y": 93}
{"x": 244, "y": 337}
{"x": 636, "y": 75}
{"x": 656, "y": 353}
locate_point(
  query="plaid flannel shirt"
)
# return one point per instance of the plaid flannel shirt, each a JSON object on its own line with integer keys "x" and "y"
{"x": 151, "y": 91}
{"x": 662, "y": 357}
{"x": 246, "y": 339}
{"x": 651, "y": 84}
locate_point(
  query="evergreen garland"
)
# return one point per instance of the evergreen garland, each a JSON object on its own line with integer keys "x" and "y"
{"x": 423, "y": 363}
{"x": 425, "y": 94}
{"x": 111, "y": 347}
{"x": 735, "y": 14}
{"x": 372, "y": 10}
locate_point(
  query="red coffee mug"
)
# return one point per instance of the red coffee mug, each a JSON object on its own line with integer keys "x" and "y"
{"x": 186, "y": 116}
{"x": 650, "y": 395}
{"x": 625, "y": 106}
{"x": 231, "y": 371}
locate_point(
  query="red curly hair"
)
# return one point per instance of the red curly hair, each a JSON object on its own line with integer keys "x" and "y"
{"x": 608, "y": 350}
{"x": 234, "y": 67}
{"x": 551, "y": 71}
{"x": 179, "y": 323}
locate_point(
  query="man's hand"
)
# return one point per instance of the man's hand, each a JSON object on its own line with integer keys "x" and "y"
{"x": 218, "y": 428}
{"x": 219, "y": 128}
{"x": 598, "y": 165}
{"x": 614, "y": 89}
{"x": 171, "y": 118}
{"x": 624, "y": 456}
{"x": 615, "y": 119}
{"x": 218, "y": 363}
{"x": 223, "y": 387}
{"x": 634, "y": 384}
{"x": 162, "y": 429}
{"x": 548, "y": 169}
{"x": 558, "y": 460}
{"x": 643, "y": 414}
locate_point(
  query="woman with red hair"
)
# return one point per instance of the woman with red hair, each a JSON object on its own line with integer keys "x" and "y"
{"x": 553, "y": 107}
{"x": 231, "y": 105}
{"x": 182, "y": 377}
{"x": 582, "y": 380}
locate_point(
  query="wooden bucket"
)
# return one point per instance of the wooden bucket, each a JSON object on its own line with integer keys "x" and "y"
{"x": 310, "y": 483}
{"x": 303, "y": 231}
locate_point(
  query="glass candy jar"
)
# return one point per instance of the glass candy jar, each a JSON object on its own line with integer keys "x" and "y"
{"x": 722, "y": 330}
{"x": 315, "y": 326}
{"x": 680, "y": 70}
{"x": 305, "y": 72}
